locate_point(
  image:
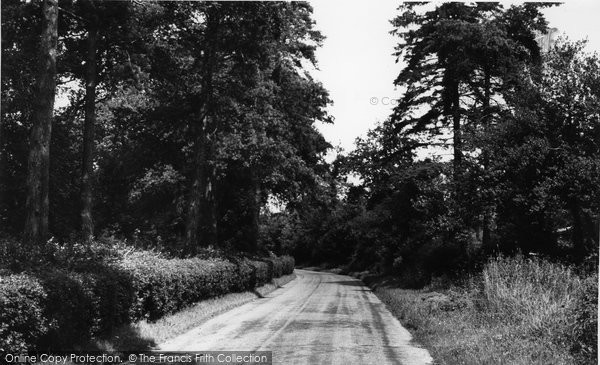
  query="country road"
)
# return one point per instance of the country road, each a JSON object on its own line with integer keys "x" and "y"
{"x": 318, "y": 318}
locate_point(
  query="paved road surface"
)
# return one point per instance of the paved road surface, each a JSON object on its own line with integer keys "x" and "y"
{"x": 318, "y": 318}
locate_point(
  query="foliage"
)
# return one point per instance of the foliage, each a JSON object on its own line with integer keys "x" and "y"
{"x": 152, "y": 80}
{"x": 519, "y": 311}
{"x": 527, "y": 128}
{"x": 459, "y": 57}
{"x": 546, "y": 157}
{"x": 22, "y": 319}
{"x": 85, "y": 291}
{"x": 81, "y": 305}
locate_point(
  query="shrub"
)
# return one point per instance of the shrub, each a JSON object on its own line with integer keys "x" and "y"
{"x": 69, "y": 309}
{"x": 287, "y": 263}
{"x": 85, "y": 304}
{"x": 22, "y": 321}
{"x": 68, "y": 306}
{"x": 77, "y": 256}
{"x": 262, "y": 272}
{"x": 162, "y": 286}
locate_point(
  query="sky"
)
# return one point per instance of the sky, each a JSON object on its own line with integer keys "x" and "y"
{"x": 356, "y": 63}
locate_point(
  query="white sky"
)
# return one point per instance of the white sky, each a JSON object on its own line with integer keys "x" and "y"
{"x": 357, "y": 67}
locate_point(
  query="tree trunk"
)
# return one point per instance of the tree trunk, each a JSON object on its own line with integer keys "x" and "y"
{"x": 487, "y": 214}
{"x": 578, "y": 230}
{"x": 255, "y": 200}
{"x": 457, "y": 131}
{"x": 201, "y": 227}
{"x": 598, "y": 236}
{"x": 87, "y": 223}
{"x": 210, "y": 230}
{"x": 201, "y": 201}
{"x": 194, "y": 216}
{"x": 37, "y": 203}
{"x": 1, "y": 165}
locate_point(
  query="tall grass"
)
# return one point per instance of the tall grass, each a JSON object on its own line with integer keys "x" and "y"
{"x": 518, "y": 311}
{"x": 530, "y": 292}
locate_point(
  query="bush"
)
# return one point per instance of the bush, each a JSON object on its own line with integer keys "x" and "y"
{"x": 287, "y": 263}
{"x": 22, "y": 321}
{"x": 82, "y": 305}
{"x": 97, "y": 289}
{"x": 262, "y": 272}
{"x": 76, "y": 256}
{"x": 163, "y": 286}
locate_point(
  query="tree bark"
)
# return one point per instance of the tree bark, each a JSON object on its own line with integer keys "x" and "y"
{"x": 37, "y": 201}
{"x": 202, "y": 198}
{"x": 487, "y": 215}
{"x": 578, "y": 229}
{"x": 255, "y": 200}
{"x": 211, "y": 229}
{"x": 1, "y": 165}
{"x": 192, "y": 229}
{"x": 87, "y": 223}
{"x": 457, "y": 131}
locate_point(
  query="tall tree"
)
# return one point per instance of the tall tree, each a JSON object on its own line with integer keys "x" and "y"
{"x": 461, "y": 61}
{"x": 270, "y": 144}
{"x": 256, "y": 49}
{"x": 87, "y": 223}
{"x": 546, "y": 156}
{"x": 97, "y": 40}
{"x": 37, "y": 203}
{"x": 202, "y": 190}
{"x": 446, "y": 50}
{"x": 20, "y": 51}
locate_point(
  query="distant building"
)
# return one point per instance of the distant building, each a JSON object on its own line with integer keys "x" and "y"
{"x": 546, "y": 40}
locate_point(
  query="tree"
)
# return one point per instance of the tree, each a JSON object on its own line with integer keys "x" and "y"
{"x": 36, "y": 223}
{"x": 258, "y": 47}
{"x": 461, "y": 62}
{"x": 203, "y": 129}
{"x": 91, "y": 59}
{"x": 447, "y": 51}
{"x": 174, "y": 108}
{"x": 87, "y": 223}
{"x": 547, "y": 156}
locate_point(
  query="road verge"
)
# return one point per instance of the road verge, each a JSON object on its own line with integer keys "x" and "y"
{"x": 144, "y": 335}
{"x": 517, "y": 311}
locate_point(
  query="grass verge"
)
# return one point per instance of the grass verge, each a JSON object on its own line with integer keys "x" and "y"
{"x": 144, "y": 335}
{"x": 518, "y": 311}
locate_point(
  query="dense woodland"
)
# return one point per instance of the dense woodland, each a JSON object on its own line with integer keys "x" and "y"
{"x": 183, "y": 119}
{"x": 186, "y": 126}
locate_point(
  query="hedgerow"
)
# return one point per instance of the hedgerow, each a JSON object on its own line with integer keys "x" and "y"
{"x": 61, "y": 308}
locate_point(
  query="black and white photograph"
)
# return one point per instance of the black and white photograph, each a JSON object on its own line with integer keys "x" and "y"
{"x": 342, "y": 182}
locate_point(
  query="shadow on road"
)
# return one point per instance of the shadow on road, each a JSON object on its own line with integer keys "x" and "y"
{"x": 347, "y": 282}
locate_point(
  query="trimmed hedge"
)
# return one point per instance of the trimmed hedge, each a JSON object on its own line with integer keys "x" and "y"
{"x": 163, "y": 286}
{"x": 62, "y": 309}
{"x": 82, "y": 305}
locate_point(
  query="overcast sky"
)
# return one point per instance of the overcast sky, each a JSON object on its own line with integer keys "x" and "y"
{"x": 357, "y": 67}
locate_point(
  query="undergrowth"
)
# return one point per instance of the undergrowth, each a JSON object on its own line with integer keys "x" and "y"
{"x": 517, "y": 311}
